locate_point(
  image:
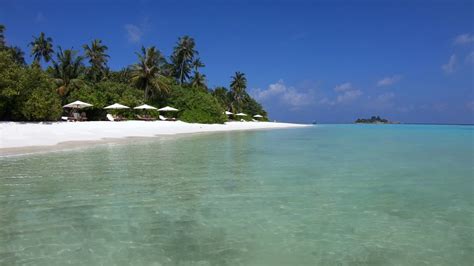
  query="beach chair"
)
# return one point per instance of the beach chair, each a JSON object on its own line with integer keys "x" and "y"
{"x": 83, "y": 116}
{"x": 110, "y": 117}
{"x": 76, "y": 117}
{"x": 145, "y": 118}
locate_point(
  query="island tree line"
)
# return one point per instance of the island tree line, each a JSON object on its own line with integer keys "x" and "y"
{"x": 31, "y": 93}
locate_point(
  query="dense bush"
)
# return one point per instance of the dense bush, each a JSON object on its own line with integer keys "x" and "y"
{"x": 26, "y": 93}
{"x": 38, "y": 101}
{"x": 10, "y": 73}
{"x": 197, "y": 106}
{"x": 252, "y": 107}
{"x": 248, "y": 106}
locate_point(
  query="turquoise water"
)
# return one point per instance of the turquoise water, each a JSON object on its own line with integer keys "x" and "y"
{"x": 327, "y": 195}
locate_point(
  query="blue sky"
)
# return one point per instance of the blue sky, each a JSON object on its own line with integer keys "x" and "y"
{"x": 409, "y": 61}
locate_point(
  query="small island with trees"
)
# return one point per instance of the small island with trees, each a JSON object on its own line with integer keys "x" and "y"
{"x": 374, "y": 120}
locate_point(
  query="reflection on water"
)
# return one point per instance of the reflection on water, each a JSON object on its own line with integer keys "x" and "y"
{"x": 330, "y": 195}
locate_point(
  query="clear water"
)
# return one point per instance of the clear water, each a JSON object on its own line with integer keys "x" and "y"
{"x": 328, "y": 195}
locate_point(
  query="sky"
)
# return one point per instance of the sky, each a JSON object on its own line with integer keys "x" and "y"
{"x": 305, "y": 61}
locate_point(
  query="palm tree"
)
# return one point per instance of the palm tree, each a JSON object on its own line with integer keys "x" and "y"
{"x": 41, "y": 48}
{"x": 199, "y": 81}
{"x": 97, "y": 58}
{"x": 222, "y": 96}
{"x": 182, "y": 58}
{"x": 147, "y": 73}
{"x": 17, "y": 54}
{"x": 197, "y": 63}
{"x": 2, "y": 36}
{"x": 66, "y": 70}
{"x": 238, "y": 86}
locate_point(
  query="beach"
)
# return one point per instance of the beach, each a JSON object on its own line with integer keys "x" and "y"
{"x": 14, "y": 135}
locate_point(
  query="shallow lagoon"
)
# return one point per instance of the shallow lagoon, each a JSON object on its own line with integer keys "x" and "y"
{"x": 328, "y": 195}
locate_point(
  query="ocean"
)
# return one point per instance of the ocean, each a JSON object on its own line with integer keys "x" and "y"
{"x": 324, "y": 195}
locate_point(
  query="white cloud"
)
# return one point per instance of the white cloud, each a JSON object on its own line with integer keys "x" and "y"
{"x": 346, "y": 93}
{"x": 451, "y": 65}
{"x": 464, "y": 39}
{"x": 343, "y": 87}
{"x": 387, "y": 81}
{"x": 134, "y": 33}
{"x": 348, "y": 96}
{"x": 287, "y": 95}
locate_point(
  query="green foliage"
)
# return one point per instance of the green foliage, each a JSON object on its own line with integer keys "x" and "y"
{"x": 43, "y": 103}
{"x": 372, "y": 120}
{"x": 10, "y": 73}
{"x": 98, "y": 58}
{"x": 182, "y": 58}
{"x": 252, "y": 107}
{"x": 31, "y": 94}
{"x": 2, "y": 36}
{"x": 223, "y": 97}
{"x": 147, "y": 74}
{"x": 26, "y": 93}
{"x": 41, "y": 48}
{"x": 237, "y": 90}
{"x": 196, "y": 105}
{"x": 66, "y": 71}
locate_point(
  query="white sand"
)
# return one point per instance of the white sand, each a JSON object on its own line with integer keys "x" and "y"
{"x": 20, "y": 135}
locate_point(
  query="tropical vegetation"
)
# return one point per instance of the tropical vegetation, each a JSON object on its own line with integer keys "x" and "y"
{"x": 372, "y": 120}
{"x": 56, "y": 76}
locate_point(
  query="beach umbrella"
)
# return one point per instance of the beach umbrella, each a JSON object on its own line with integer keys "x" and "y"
{"x": 241, "y": 114}
{"x": 168, "y": 109}
{"x": 116, "y": 106}
{"x": 145, "y": 106}
{"x": 77, "y": 105}
{"x": 228, "y": 113}
{"x": 258, "y": 116}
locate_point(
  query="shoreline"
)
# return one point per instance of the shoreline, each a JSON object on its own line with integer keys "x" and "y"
{"x": 20, "y": 138}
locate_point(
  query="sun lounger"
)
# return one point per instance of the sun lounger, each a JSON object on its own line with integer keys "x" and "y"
{"x": 162, "y": 118}
{"x": 110, "y": 117}
{"x": 145, "y": 118}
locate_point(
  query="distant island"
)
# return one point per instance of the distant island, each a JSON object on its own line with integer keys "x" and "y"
{"x": 374, "y": 120}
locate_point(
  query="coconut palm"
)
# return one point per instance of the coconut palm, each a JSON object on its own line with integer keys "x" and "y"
{"x": 199, "y": 81}
{"x": 67, "y": 68}
{"x": 147, "y": 74}
{"x": 98, "y": 58}
{"x": 2, "y": 36}
{"x": 238, "y": 86}
{"x": 197, "y": 63}
{"x": 41, "y": 48}
{"x": 182, "y": 58}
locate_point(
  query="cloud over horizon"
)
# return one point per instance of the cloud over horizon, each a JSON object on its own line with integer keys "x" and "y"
{"x": 286, "y": 95}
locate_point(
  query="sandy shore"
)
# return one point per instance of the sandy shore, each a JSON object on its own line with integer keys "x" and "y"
{"x": 14, "y": 135}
